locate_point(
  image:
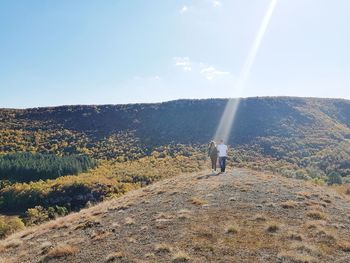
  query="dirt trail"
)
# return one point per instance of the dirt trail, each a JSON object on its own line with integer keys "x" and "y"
{"x": 243, "y": 216}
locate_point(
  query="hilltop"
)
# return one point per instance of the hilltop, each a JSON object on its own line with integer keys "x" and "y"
{"x": 244, "y": 216}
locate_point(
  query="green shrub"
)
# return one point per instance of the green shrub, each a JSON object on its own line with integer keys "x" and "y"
{"x": 10, "y": 225}
{"x": 36, "y": 215}
{"x": 39, "y": 214}
{"x": 334, "y": 178}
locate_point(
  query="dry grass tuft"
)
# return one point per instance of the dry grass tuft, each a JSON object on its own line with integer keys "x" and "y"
{"x": 129, "y": 221}
{"x": 245, "y": 188}
{"x": 99, "y": 235}
{"x": 273, "y": 227}
{"x": 198, "y": 201}
{"x": 295, "y": 236}
{"x": 327, "y": 201}
{"x": 290, "y": 256}
{"x": 97, "y": 212}
{"x": 114, "y": 256}
{"x": 316, "y": 207}
{"x": 344, "y": 246}
{"x": 289, "y": 204}
{"x": 232, "y": 229}
{"x": 181, "y": 257}
{"x": 149, "y": 255}
{"x": 75, "y": 241}
{"x": 27, "y": 233}
{"x": 306, "y": 249}
{"x": 316, "y": 215}
{"x": 184, "y": 211}
{"x": 45, "y": 247}
{"x": 304, "y": 195}
{"x": 313, "y": 225}
{"x": 7, "y": 260}
{"x": 325, "y": 236}
{"x": 91, "y": 222}
{"x": 13, "y": 244}
{"x": 59, "y": 226}
{"x": 183, "y": 215}
{"x": 260, "y": 218}
{"x": 60, "y": 251}
{"x": 163, "y": 248}
{"x": 131, "y": 240}
{"x": 162, "y": 215}
{"x": 204, "y": 232}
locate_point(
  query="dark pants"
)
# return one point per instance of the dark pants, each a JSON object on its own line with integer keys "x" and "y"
{"x": 213, "y": 159}
{"x": 222, "y": 161}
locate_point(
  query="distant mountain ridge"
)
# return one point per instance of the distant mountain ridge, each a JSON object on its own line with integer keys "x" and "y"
{"x": 200, "y": 117}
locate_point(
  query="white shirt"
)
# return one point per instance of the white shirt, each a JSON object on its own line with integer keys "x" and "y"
{"x": 222, "y": 149}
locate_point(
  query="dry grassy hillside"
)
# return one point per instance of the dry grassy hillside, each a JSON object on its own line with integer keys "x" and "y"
{"x": 243, "y": 216}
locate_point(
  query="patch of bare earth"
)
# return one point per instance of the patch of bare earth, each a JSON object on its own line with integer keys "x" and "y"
{"x": 242, "y": 216}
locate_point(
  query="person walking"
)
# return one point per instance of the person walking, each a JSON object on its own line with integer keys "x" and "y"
{"x": 213, "y": 154}
{"x": 222, "y": 150}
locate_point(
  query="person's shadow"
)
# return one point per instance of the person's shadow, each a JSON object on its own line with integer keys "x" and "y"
{"x": 206, "y": 176}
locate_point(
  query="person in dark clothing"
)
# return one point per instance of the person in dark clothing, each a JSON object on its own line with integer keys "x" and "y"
{"x": 213, "y": 154}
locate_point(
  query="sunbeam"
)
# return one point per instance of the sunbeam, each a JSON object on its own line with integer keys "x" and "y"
{"x": 229, "y": 115}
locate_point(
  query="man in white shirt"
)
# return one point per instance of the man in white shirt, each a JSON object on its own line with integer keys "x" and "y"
{"x": 222, "y": 151}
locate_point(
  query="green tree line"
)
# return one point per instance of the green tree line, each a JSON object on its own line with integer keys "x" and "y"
{"x": 26, "y": 167}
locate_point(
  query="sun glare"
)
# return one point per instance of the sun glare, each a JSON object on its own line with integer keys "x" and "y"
{"x": 228, "y": 117}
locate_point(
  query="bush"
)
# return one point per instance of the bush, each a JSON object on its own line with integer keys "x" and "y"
{"x": 36, "y": 215}
{"x": 39, "y": 214}
{"x": 10, "y": 225}
{"x": 334, "y": 178}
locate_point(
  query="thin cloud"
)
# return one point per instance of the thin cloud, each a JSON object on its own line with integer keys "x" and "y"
{"x": 210, "y": 72}
{"x": 184, "y": 9}
{"x": 183, "y": 62}
{"x": 216, "y": 3}
{"x": 146, "y": 78}
{"x": 203, "y": 69}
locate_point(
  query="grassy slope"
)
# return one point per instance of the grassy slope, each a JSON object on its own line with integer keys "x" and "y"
{"x": 244, "y": 216}
{"x": 108, "y": 180}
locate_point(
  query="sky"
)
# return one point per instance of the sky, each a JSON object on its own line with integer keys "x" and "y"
{"x": 129, "y": 51}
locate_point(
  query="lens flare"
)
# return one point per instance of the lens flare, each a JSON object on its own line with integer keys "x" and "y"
{"x": 227, "y": 120}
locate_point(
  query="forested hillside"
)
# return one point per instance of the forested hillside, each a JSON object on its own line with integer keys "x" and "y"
{"x": 303, "y": 131}
{"x": 26, "y": 167}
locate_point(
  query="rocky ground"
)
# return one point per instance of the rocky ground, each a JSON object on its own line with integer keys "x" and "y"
{"x": 242, "y": 216}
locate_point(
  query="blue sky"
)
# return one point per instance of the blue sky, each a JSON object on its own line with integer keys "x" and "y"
{"x": 126, "y": 51}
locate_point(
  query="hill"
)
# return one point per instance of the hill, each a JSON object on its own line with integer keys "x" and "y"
{"x": 243, "y": 216}
{"x": 294, "y": 129}
{"x": 82, "y": 155}
{"x": 184, "y": 121}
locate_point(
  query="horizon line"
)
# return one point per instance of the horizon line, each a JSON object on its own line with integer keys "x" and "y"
{"x": 173, "y": 100}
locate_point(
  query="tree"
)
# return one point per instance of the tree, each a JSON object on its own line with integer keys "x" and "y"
{"x": 334, "y": 178}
